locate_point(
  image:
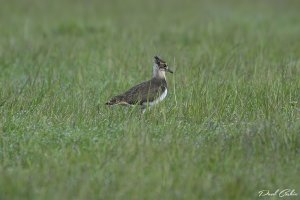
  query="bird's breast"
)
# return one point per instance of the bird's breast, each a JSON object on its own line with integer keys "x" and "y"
{"x": 160, "y": 98}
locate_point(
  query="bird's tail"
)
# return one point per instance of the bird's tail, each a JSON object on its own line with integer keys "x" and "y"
{"x": 114, "y": 100}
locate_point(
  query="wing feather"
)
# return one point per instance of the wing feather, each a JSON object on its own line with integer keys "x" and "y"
{"x": 146, "y": 91}
{"x": 143, "y": 92}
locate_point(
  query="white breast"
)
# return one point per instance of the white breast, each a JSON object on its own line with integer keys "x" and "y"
{"x": 160, "y": 98}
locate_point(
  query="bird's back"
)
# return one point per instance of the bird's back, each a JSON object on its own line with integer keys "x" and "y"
{"x": 146, "y": 91}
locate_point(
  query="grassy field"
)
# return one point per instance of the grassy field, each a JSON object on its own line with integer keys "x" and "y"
{"x": 229, "y": 127}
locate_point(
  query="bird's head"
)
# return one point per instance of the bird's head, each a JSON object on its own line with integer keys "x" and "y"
{"x": 160, "y": 67}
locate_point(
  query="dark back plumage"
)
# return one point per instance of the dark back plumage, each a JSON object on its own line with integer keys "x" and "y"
{"x": 141, "y": 93}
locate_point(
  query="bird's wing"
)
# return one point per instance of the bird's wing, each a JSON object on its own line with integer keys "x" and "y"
{"x": 146, "y": 91}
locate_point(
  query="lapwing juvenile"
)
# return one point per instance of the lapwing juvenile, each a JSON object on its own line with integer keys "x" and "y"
{"x": 147, "y": 93}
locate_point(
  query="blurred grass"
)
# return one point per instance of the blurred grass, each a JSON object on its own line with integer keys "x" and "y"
{"x": 228, "y": 128}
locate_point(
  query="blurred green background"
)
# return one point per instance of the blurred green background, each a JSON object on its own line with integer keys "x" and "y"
{"x": 228, "y": 129}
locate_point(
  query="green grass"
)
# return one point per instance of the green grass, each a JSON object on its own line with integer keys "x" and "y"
{"x": 228, "y": 128}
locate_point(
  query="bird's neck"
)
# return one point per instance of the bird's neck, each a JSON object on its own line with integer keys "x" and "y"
{"x": 158, "y": 73}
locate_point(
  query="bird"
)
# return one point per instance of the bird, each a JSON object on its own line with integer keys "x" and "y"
{"x": 148, "y": 93}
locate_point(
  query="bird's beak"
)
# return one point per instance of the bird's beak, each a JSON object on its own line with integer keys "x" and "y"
{"x": 170, "y": 71}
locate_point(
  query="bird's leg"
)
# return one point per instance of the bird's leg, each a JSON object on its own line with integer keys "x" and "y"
{"x": 128, "y": 109}
{"x": 143, "y": 109}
